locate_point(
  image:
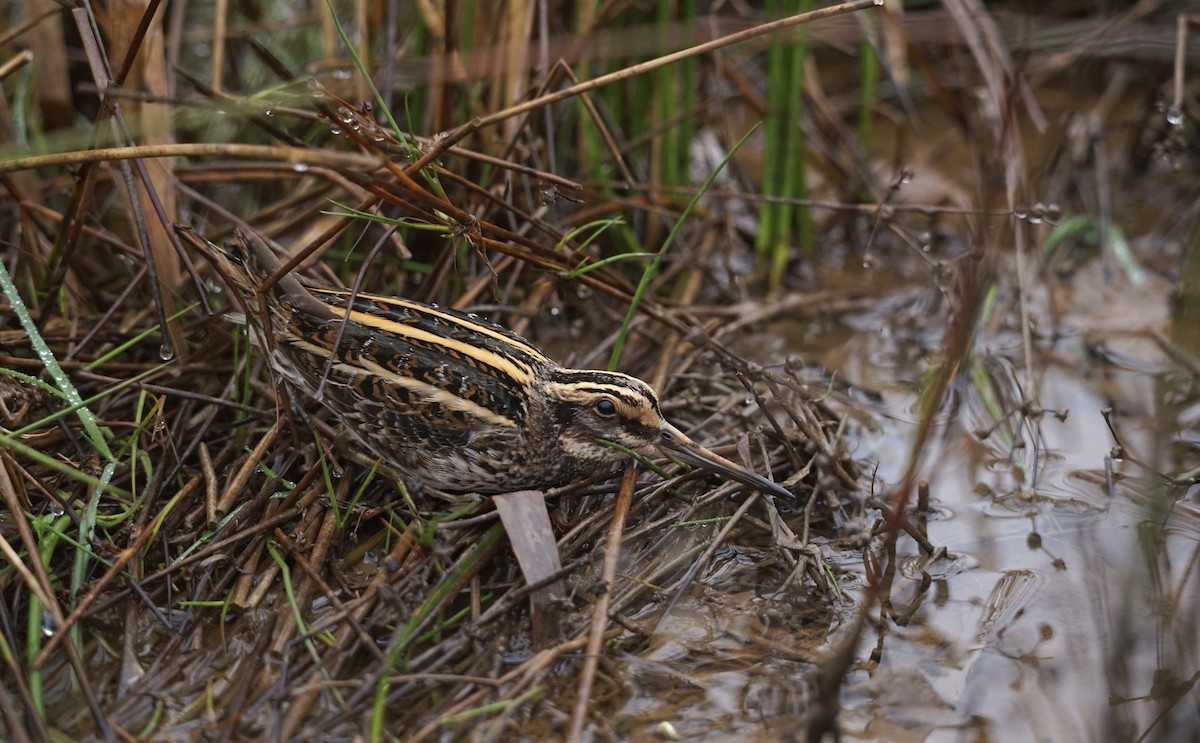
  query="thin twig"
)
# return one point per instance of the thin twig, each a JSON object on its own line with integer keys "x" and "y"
{"x": 608, "y": 578}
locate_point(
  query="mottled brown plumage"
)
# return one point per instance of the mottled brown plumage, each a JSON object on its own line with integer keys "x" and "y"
{"x": 452, "y": 401}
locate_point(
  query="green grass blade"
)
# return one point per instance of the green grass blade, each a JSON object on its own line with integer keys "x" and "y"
{"x": 652, "y": 270}
{"x": 91, "y": 426}
{"x": 131, "y": 342}
{"x": 396, "y": 651}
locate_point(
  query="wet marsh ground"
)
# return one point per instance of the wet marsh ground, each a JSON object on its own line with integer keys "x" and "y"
{"x": 957, "y": 278}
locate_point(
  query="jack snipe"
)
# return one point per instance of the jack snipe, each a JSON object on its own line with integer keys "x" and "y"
{"x": 450, "y": 400}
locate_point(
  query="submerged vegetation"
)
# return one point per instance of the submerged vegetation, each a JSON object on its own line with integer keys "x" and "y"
{"x": 935, "y": 272}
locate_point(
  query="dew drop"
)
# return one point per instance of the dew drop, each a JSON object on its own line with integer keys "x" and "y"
{"x": 269, "y": 112}
{"x": 341, "y": 74}
{"x": 300, "y": 167}
{"x": 165, "y": 352}
{"x": 1175, "y": 116}
{"x": 906, "y": 175}
{"x": 335, "y": 130}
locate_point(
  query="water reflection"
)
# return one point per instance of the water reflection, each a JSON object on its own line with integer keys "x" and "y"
{"x": 1067, "y": 608}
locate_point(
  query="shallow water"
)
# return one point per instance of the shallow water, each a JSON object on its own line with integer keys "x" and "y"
{"x": 1065, "y": 608}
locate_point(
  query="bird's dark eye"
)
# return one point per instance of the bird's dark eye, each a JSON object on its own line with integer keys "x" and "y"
{"x": 606, "y": 408}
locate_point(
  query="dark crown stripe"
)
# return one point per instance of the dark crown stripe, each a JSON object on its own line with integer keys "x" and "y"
{"x": 637, "y": 405}
{"x": 627, "y": 388}
{"x": 622, "y": 393}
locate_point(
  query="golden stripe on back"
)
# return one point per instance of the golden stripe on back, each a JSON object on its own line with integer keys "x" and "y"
{"x": 426, "y": 392}
{"x": 475, "y": 341}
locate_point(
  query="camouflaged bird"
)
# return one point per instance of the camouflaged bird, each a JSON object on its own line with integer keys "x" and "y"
{"x": 452, "y": 401}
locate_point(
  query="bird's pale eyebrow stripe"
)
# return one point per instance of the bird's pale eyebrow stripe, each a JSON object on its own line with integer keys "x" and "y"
{"x": 610, "y": 382}
{"x": 621, "y": 393}
{"x": 635, "y": 401}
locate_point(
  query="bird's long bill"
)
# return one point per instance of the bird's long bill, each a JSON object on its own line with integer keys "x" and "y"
{"x": 676, "y": 442}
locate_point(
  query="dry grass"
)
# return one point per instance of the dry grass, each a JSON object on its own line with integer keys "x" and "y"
{"x": 236, "y": 571}
{"x": 214, "y": 564}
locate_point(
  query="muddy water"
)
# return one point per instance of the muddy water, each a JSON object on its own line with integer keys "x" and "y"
{"x": 1066, "y": 607}
{"x": 1079, "y": 605}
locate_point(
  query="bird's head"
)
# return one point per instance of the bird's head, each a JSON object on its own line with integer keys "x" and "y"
{"x": 594, "y": 407}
